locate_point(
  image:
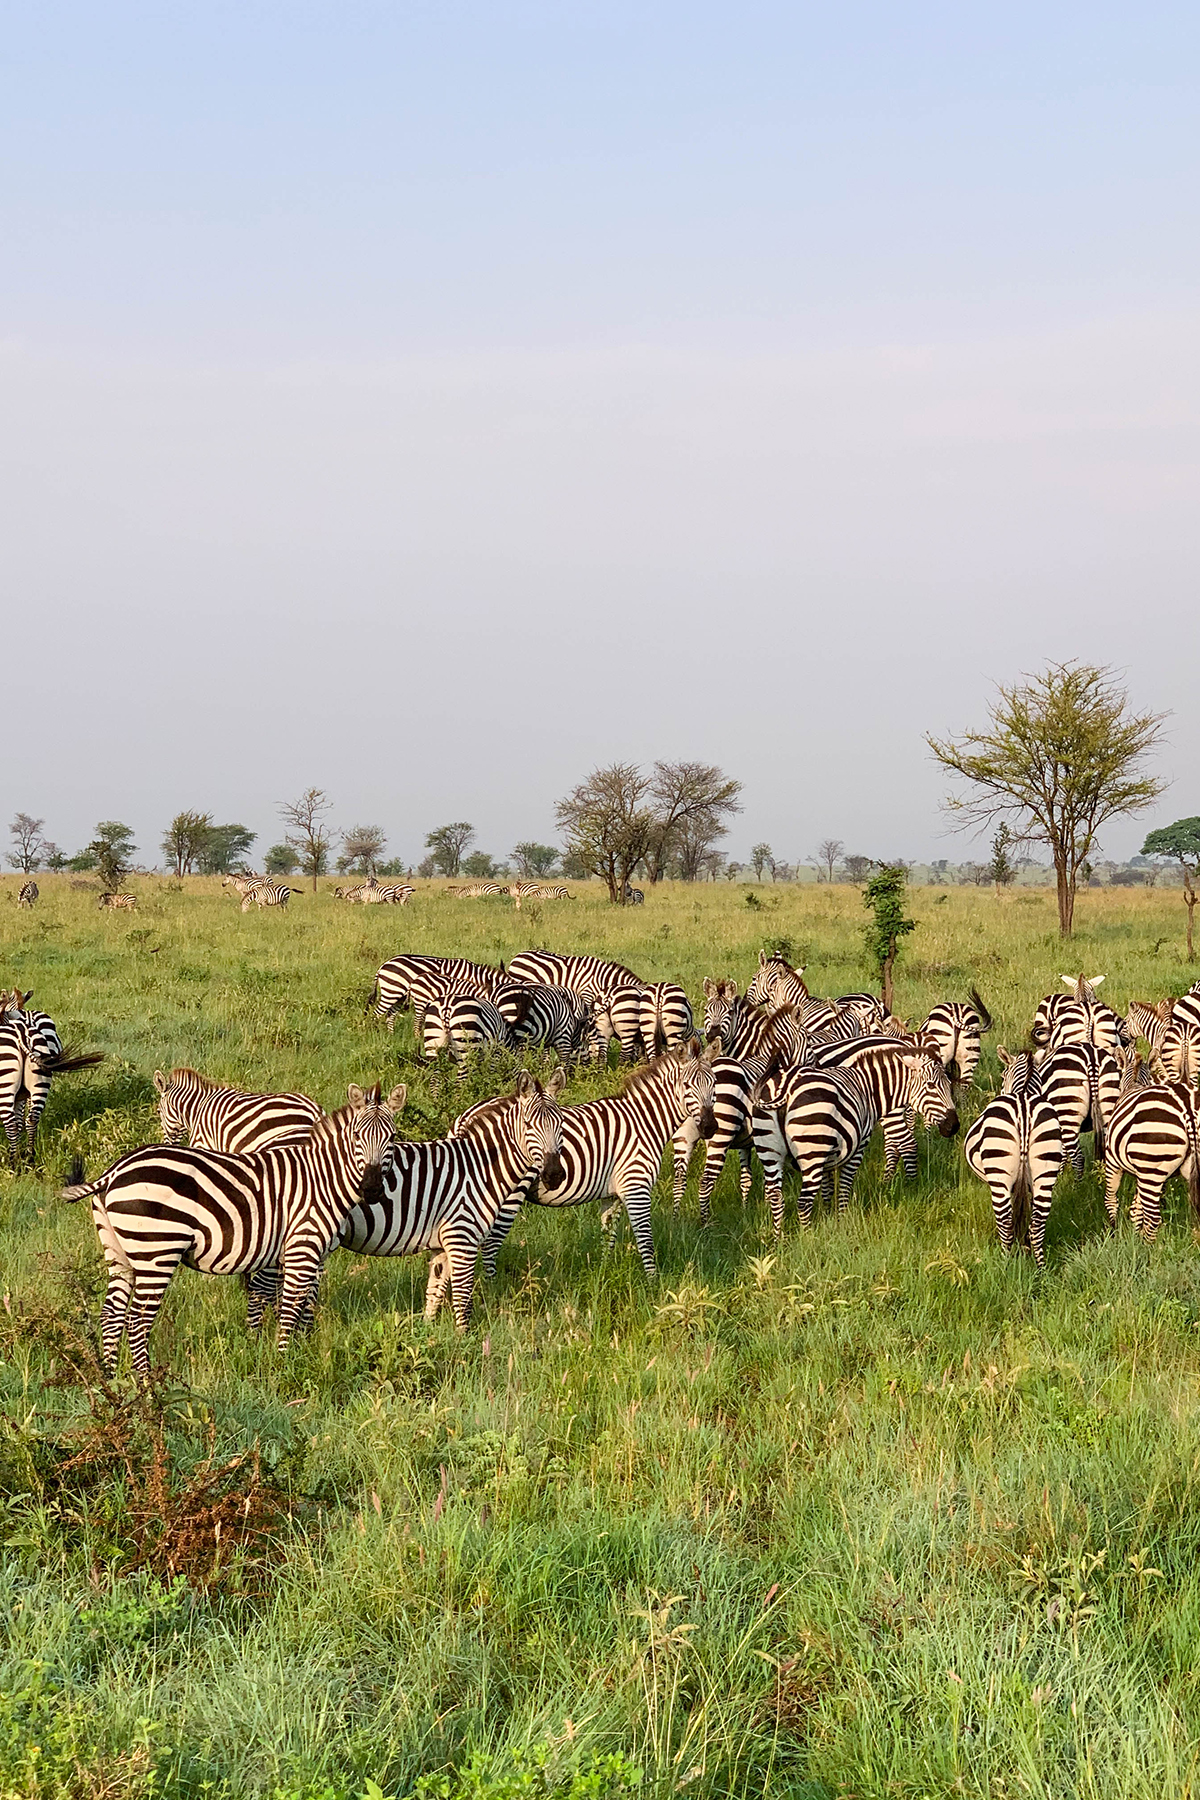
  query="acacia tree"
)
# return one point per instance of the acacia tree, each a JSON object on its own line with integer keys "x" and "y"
{"x": 1062, "y": 754}
{"x": 1002, "y": 868}
{"x": 185, "y": 838}
{"x": 885, "y": 895}
{"x": 762, "y": 857}
{"x": 534, "y": 860}
{"x": 309, "y": 836}
{"x": 225, "y": 849}
{"x": 447, "y": 845}
{"x": 113, "y": 849}
{"x": 828, "y": 853}
{"x": 691, "y": 803}
{"x": 362, "y": 849}
{"x": 29, "y": 846}
{"x": 1181, "y": 842}
{"x": 858, "y": 867}
{"x": 608, "y": 826}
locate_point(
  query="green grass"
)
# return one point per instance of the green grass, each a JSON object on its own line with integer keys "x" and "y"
{"x": 876, "y": 1514}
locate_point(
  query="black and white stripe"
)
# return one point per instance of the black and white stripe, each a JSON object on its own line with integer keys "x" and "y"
{"x": 665, "y": 1018}
{"x": 888, "y": 1069}
{"x": 193, "y": 1110}
{"x": 735, "y": 1088}
{"x": 1016, "y": 1147}
{"x": 745, "y": 1032}
{"x": 279, "y": 1209}
{"x": 1152, "y": 1134}
{"x": 590, "y": 975}
{"x": 31, "y": 1054}
{"x": 460, "y": 1018}
{"x": 371, "y": 894}
{"x": 446, "y": 1195}
{"x": 777, "y": 983}
{"x": 118, "y": 902}
{"x": 618, "y": 1014}
{"x": 28, "y": 893}
{"x": 1083, "y": 1084}
{"x": 613, "y": 1149}
{"x": 256, "y": 890}
{"x": 956, "y": 1027}
{"x": 1076, "y": 1018}
{"x": 820, "y": 1119}
{"x": 552, "y": 1017}
{"x": 412, "y": 980}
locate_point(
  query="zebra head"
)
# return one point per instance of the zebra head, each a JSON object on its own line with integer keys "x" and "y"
{"x": 370, "y": 1124}
{"x": 176, "y": 1091}
{"x": 692, "y": 1064}
{"x": 1020, "y": 1074}
{"x": 777, "y": 983}
{"x": 540, "y": 1125}
{"x": 1138, "y": 1071}
{"x": 720, "y": 1013}
{"x": 929, "y": 1092}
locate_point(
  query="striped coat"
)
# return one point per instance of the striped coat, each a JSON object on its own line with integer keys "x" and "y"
{"x": 552, "y": 1017}
{"x": 956, "y": 1028}
{"x": 1076, "y": 1018}
{"x": 613, "y": 1149}
{"x": 281, "y": 1208}
{"x": 118, "y": 902}
{"x": 193, "y": 1110}
{"x": 820, "y": 1119}
{"x": 31, "y": 1054}
{"x": 745, "y": 1032}
{"x": 461, "y": 1018}
{"x": 1016, "y": 1147}
{"x": 590, "y": 975}
{"x": 885, "y": 1067}
{"x": 1154, "y": 1133}
{"x": 618, "y": 1014}
{"x": 665, "y": 1017}
{"x": 413, "y": 980}
{"x": 735, "y": 1088}
{"x": 445, "y": 1195}
{"x": 1083, "y": 1084}
{"x": 28, "y": 893}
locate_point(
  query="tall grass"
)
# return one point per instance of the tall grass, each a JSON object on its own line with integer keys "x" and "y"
{"x": 876, "y": 1513}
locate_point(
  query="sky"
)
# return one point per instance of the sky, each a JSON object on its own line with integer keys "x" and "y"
{"x": 432, "y": 402}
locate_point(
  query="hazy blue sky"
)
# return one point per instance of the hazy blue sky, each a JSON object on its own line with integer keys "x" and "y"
{"x": 429, "y": 402}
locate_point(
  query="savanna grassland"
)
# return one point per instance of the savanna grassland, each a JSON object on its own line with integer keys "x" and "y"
{"x": 876, "y": 1513}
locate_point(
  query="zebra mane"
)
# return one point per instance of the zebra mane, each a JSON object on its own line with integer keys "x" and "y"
{"x": 648, "y": 1073}
{"x": 204, "y": 1081}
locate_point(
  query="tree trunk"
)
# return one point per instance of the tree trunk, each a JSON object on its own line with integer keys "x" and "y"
{"x": 1189, "y": 899}
{"x": 889, "y": 962}
{"x": 1066, "y": 899}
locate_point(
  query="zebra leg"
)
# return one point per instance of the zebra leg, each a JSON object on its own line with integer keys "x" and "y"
{"x": 714, "y": 1163}
{"x": 847, "y": 1173}
{"x": 262, "y": 1290}
{"x": 1002, "y": 1210}
{"x": 1147, "y": 1206}
{"x": 113, "y": 1313}
{"x": 747, "y": 1176}
{"x": 143, "y": 1309}
{"x": 300, "y": 1276}
{"x": 493, "y": 1243}
{"x": 1072, "y": 1148}
{"x": 1112, "y": 1192}
{"x": 436, "y": 1285}
{"x": 461, "y": 1253}
{"x": 682, "y": 1145}
{"x": 637, "y": 1207}
{"x": 772, "y": 1168}
{"x": 1043, "y": 1193}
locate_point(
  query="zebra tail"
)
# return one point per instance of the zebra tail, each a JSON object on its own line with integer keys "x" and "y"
{"x": 67, "y": 1062}
{"x": 77, "y": 1188}
{"x": 1194, "y": 1167}
{"x": 1097, "y": 1115}
{"x": 985, "y": 1017}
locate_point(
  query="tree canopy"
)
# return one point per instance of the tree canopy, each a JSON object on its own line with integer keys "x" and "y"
{"x": 1061, "y": 755}
{"x": 447, "y": 845}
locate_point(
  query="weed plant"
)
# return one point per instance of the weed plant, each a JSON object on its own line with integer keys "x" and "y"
{"x": 874, "y": 1512}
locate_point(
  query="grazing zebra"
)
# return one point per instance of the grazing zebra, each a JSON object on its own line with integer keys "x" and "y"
{"x": 1152, "y": 1135}
{"x": 28, "y": 893}
{"x": 395, "y": 895}
{"x": 613, "y": 1149}
{"x": 665, "y": 1017}
{"x": 1016, "y": 1146}
{"x": 256, "y": 890}
{"x": 480, "y": 890}
{"x": 117, "y": 902}
{"x": 735, "y": 1088}
{"x": 883, "y": 1065}
{"x": 1083, "y": 1084}
{"x": 193, "y": 1110}
{"x": 618, "y": 1014}
{"x": 589, "y": 975}
{"x": 552, "y": 893}
{"x": 634, "y": 896}
{"x": 281, "y": 1208}
{"x": 743, "y": 1031}
{"x": 412, "y": 980}
{"x": 822, "y": 1119}
{"x": 461, "y": 1018}
{"x": 956, "y": 1027}
{"x": 31, "y": 1054}
{"x": 550, "y": 1016}
{"x": 446, "y": 1195}
{"x": 351, "y": 894}
{"x": 1076, "y": 1018}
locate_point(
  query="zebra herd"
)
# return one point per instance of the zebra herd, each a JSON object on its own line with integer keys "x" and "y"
{"x": 268, "y": 1185}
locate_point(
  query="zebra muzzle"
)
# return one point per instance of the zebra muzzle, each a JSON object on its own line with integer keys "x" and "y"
{"x": 553, "y": 1174}
{"x": 708, "y": 1123}
{"x": 949, "y": 1125}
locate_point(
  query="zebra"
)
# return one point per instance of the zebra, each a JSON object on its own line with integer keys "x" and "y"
{"x": 460, "y": 1017}
{"x": 395, "y": 895}
{"x": 552, "y": 1016}
{"x": 736, "y": 1085}
{"x": 618, "y": 1014}
{"x": 1179, "y": 1047}
{"x": 31, "y": 1054}
{"x": 634, "y": 896}
{"x": 117, "y": 902}
{"x": 822, "y": 1119}
{"x": 956, "y": 1027}
{"x": 777, "y": 982}
{"x": 280, "y": 1208}
{"x": 193, "y": 1110}
{"x": 480, "y": 890}
{"x": 883, "y": 1065}
{"x": 1152, "y": 1135}
{"x": 552, "y": 893}
{"x": 665, "y": 1017}
{"x": 351, "y": 894}
{"x": 412, "y": 980}
{"x": 256, "y": 890}
{"x": 1016, "y": 1146}
{"x": 28, "y": 893}
{"x": 743, "y": 1031}
{"x": 446, "y": 1195}
{"x": 1076, "y": 1018}
{"x": 589, "y": 975}
{"x": 1083, "y": 1084}
{"x": 613, "y": 1149}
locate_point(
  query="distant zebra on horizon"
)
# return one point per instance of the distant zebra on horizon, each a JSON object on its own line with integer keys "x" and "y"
{"x": 480, "y": 890}
{"x": 28, "y": 893}
{"x": 374, "y": 895}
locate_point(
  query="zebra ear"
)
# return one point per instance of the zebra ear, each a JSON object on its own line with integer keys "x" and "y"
{"x": 396, "y": 1099}
{"x": 731, "y": 989}
{"x": 1070, "y": 981}
{"x": 160, "y": 1081}
{"x": 762, "y": 959}
{"x": 526, "y": 1085}
{"x": 355, "y": 1095}
{"x": 710, "y": 988}
{"x": 556, "y": 1083}
{"x": 1003, "y": 1054}
{"x": 1095, "y": 980}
